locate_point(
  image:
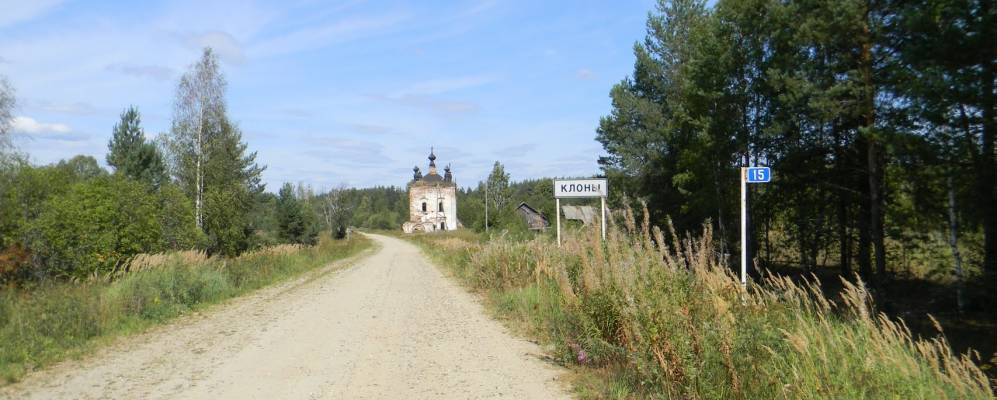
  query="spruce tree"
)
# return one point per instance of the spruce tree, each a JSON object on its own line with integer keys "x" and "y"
{"x": 290, "y": 221}
{"x": 131, "y": 155}
{"x": 231, "y": 181}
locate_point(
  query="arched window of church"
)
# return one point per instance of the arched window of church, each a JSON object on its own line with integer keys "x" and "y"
{"x": 424, "y": 207}
{"x": 441, "y": 206}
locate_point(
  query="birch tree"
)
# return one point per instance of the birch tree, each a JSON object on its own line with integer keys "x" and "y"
{"x": 7, "y": 104}
{"x": 198, "y": 112}
{"x": 337, "y": 211}
{"x": 498, "y": 185}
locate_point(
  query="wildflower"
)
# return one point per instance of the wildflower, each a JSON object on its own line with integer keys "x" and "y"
{"x": 583, "y": 357}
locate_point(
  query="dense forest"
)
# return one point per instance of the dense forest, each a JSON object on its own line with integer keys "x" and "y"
{"x": 876, "y": 117}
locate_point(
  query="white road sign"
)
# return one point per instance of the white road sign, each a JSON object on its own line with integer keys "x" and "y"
{"x": 581, "y": 188}
{"x": 575, "y": 188}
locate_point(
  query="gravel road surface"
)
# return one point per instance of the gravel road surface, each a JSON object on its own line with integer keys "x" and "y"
{"x": 387, "y": 325}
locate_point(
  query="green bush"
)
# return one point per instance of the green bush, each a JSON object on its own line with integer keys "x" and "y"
{"x": 176, "y": 220}
{"x": 24, "y": 189}
{"x": 226, "y": 220}
{"x": 95, "y": 226}
{"x": 74, "y": 221}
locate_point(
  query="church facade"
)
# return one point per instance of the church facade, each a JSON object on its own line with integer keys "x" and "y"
{"x": 432, "y": 200}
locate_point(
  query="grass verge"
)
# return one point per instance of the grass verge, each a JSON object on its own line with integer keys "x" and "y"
{"x": 652, "y": 315}
{"x": 50, "y": 322}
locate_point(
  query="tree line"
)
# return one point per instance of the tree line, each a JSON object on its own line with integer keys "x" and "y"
{"x": 387, "y": 207}
{"x": 877, "y": 118}
{"x": 194, "y": 187}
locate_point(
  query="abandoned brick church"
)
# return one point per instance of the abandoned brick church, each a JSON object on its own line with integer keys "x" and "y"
{"x": 432, "y": 200}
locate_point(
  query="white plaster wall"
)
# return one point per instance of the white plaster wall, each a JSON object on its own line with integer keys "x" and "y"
{"x": 432, "y": 195}
{"x": 450, "y": 207}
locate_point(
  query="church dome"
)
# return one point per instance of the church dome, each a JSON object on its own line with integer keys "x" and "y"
{"x": 432, "y": 176}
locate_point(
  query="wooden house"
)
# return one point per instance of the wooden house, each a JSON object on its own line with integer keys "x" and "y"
{"x": 534, "y": 219}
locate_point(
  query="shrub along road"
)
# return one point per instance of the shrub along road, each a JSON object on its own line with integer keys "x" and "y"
{"x": 390, "y": 326}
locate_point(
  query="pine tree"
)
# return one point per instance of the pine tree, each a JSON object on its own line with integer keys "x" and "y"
{"x": 949, "y": 59}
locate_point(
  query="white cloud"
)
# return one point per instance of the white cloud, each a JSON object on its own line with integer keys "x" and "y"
{"x": 154, "y": 72}
{"x": 432, "y": 103}
{"x": 240, "y": 18}
{"x": 440, "y": 86}
{"x": 15, "y": 11}
{"x": 425, "y": 94}
{"x": 480, "y": 7}
{"x": 323, "y": 35}
{"x": 69, "y": 108}
{"x": 226, "y": 45}
{"x": 516, "y": 151}
{"x": 371, "y": 129}
{"x": 31, "y": 126}
{"x": 585, "y": 74}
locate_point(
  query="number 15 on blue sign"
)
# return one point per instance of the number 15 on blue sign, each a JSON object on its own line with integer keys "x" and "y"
{"x": 758, "y": 175}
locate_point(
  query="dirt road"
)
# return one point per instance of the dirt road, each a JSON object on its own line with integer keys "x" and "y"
{"x": 388, "y": 327}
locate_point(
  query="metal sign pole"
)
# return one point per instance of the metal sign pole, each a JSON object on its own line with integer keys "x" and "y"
{"x": 602, "y": 218}
{"x": 749, "y": 175}
{"x": 486, "y": 208}
{"x": 557, "y": 210}
{"x": 744, "y": 228}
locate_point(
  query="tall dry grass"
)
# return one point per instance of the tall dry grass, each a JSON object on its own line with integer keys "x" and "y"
{"x": 146, "y": 262}
{"x": 47, "y": 323}
{"x": 651, "y": 314}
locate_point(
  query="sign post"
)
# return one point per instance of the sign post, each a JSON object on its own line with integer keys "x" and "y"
{"x": 557, "y": 210}
{"x": 581, "y": 188}
{"x": 602, "y": 216}
{"x": 748, "y": 175}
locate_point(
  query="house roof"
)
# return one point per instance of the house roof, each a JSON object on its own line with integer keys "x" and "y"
{"x": 527, "y": 206}
{"x": 528, "y": 211}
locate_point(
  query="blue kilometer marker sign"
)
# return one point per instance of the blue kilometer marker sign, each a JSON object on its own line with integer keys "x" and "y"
{"x": 749, "y": 175}
{"x": 758, "y": 175}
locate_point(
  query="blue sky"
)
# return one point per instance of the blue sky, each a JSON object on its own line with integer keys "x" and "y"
{"x": 331, "y": 93}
